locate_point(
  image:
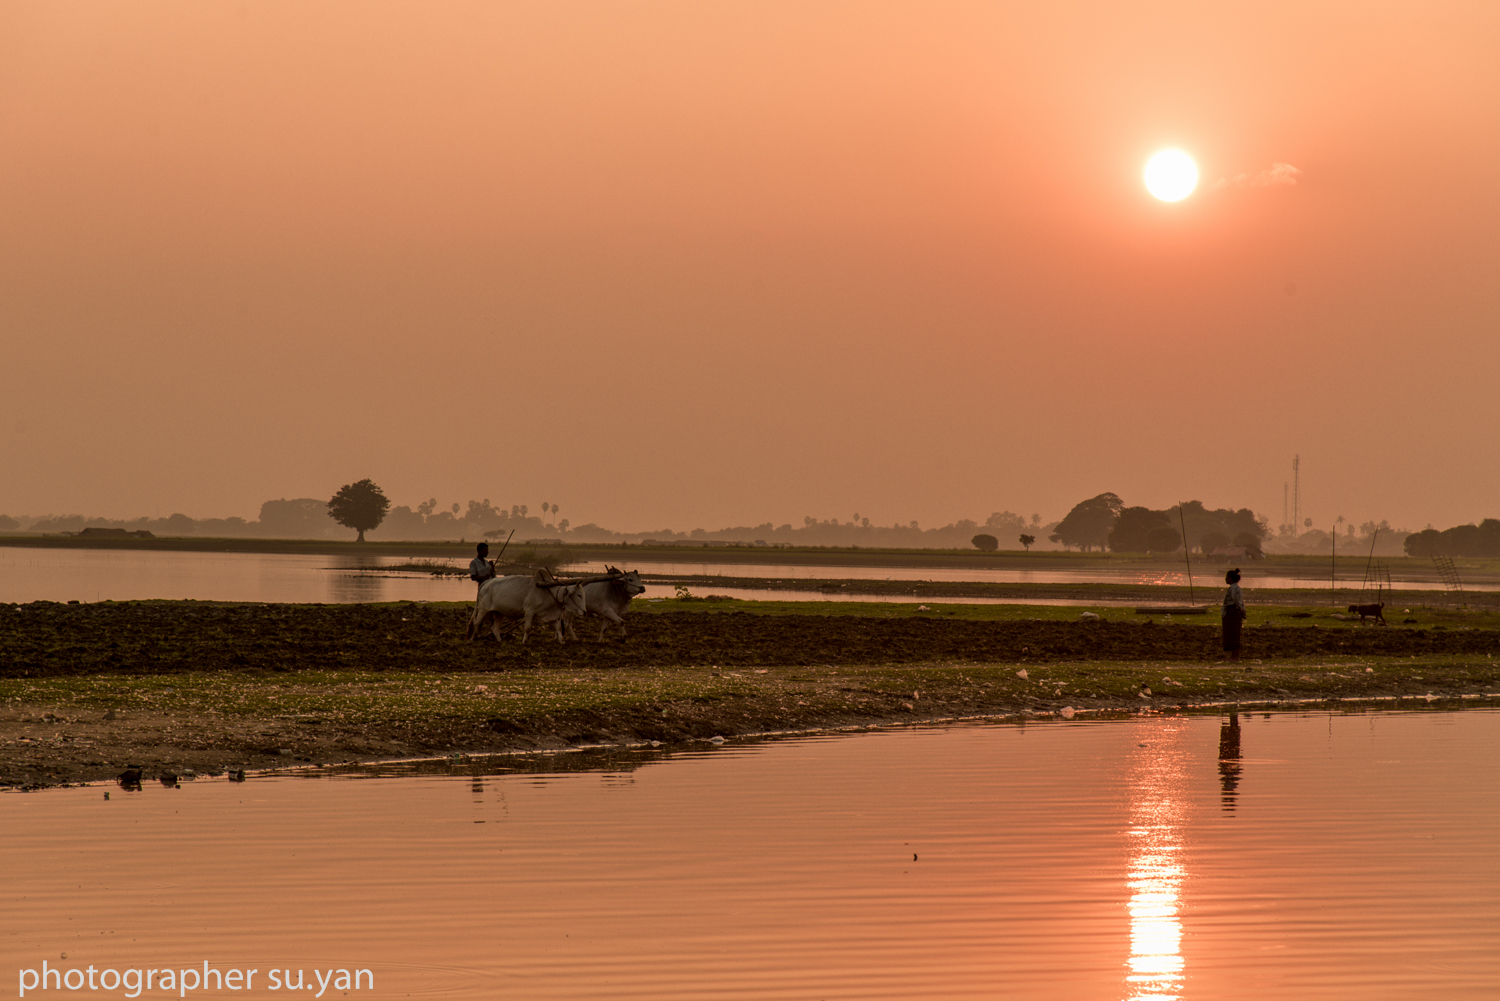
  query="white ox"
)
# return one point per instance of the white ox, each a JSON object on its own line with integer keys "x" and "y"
{"x": 608, "y": 599}
{"x": 522, "y": 597}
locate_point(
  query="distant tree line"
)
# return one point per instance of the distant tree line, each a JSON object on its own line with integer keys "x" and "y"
{"x": 1098, "y": 523}
{"x": 1374, "y": 538}
{"x": 1482, "y": 539}
{"x": 1104, "y": 522}
{"x": 363, "y": 508}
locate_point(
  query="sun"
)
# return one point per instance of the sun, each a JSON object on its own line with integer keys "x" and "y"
{"x": 1171, "y": 175}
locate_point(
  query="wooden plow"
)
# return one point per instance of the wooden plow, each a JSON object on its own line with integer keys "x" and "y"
{"x": 544, "y": 578}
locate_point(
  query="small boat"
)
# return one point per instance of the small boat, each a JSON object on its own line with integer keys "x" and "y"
{"x": 1173, "y": 610}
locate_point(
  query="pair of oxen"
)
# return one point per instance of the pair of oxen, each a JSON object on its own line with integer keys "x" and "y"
{"x": 542, "y": 599}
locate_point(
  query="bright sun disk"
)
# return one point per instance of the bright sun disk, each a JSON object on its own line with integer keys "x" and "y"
{"x": 1171, "y": 175}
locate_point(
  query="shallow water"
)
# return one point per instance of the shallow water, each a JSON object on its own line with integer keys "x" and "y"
{"x": 105, "y": 575}
{"x": 1210, "y": 578}
{"x": 1300, "y": 855}
{"x": 38, "y": 574}
{"x": 112, "y": 575}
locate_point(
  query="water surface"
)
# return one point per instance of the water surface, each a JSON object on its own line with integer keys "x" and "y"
{"x": 1209, "y": 577}
{"x": 39, "y": 574}
{"x": 1305, "y": 856}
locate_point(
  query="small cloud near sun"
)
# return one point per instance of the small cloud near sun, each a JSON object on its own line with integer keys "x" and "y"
{"x": 1280, "y": 175}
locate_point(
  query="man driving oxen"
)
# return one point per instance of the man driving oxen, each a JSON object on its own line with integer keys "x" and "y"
{"x": 481, "y": 567}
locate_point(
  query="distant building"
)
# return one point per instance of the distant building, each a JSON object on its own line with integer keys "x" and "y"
{"x": 112, "y": 533}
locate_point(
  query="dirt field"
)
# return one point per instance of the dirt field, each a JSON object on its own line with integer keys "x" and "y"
{"x": 88, "y": 690}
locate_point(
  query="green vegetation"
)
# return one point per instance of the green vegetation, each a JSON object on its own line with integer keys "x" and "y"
{"x": 1277, "y": 616}
{"x": 87, "y": 689}
{"x": 1481, "y": 540}
{"x": 81, "y": 728}
{"x": 362, "y": 698}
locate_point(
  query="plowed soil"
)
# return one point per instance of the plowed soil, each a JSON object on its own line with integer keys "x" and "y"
{"x": 49, "y": 639}
{"x": 94, "y": 691}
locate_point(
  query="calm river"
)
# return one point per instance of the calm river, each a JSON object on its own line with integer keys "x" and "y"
{"x": 1295, "y": 855}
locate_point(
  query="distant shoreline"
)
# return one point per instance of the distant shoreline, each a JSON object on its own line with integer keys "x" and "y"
{"x": 1480, "y": 574}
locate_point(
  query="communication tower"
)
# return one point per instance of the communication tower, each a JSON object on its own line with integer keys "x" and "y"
{"x": 1296, "y": 495}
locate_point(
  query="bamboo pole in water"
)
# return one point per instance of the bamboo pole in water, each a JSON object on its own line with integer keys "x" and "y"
{"x": 1186, "y": 550}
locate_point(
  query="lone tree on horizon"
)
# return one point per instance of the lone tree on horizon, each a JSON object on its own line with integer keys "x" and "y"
{"x": 985, "y": 543}
{"x": 1028, "y": 541}
{"x": 360, "y": 506}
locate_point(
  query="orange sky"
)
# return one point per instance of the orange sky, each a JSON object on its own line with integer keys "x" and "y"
{"x": 700, "y": 264}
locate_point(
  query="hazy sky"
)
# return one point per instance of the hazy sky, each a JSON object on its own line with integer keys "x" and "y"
{"x": 709, "y": 263}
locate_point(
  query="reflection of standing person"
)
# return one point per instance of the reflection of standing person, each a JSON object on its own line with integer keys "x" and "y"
{"x": 1234, "y": 614}
{"x": 480, "y": 567}
{"x": 1229, "y": 759}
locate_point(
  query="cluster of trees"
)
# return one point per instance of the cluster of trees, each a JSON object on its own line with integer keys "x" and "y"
{"x": 1104, "y": 522}
{"x": 1482, "y": 539}
{"x": 1374, "y": 538}
{"x": 364, "y": 507}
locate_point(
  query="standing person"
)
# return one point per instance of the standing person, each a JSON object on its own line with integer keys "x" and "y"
{"x": 1234, "y": 614}
{"x": 481, "y": 568}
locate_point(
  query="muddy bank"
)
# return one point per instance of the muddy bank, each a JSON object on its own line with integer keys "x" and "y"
{"x": 77, "y": 729}
{"x": 48, "y": 639}
{"x": 87, "y": 691}
{"x": 1143, "y": 594}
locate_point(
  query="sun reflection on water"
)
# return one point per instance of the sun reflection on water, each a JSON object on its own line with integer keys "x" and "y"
{"x": 1155, "y": 928}
{"x": 1156, "y": 875}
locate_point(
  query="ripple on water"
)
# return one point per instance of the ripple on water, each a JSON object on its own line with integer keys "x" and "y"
{"x": 1307, "y": 855}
